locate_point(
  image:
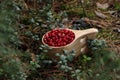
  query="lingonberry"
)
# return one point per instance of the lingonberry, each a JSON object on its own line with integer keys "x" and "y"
{"x": 59, "y": 37}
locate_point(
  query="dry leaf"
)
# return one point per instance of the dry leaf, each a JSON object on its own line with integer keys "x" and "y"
{"x": 116, "y": 30}
{"x": 101, "y": 15}
{"x": 33, "y": 57}
{"x": 102, "y": 6}
{"x": 111, "y": 12}
{"x": 98, "y": 24}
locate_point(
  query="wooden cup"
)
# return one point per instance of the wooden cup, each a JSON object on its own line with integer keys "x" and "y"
{"x": 79, "y": 44}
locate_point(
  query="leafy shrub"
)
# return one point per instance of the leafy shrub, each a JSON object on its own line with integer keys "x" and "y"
{"x": 11, "y": 65}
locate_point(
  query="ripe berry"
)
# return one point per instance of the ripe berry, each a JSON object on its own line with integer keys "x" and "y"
{"x": 59, "y": 37}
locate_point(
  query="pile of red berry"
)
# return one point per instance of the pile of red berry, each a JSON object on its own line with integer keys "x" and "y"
{"x": 59, "y": 37}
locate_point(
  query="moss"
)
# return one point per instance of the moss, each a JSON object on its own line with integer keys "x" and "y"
{"x": 91, "y": 14}
{"x": 112, "y": 38}
{"x": 117, "y": 6}
{"x": 77, "y": 12}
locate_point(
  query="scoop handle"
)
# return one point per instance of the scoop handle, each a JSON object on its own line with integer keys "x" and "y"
{"x": 80, "y": 41}
{"x": 89, "y": 33}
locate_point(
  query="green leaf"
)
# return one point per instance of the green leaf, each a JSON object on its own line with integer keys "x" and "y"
{"x": 70, "y": 57}
{"x": 63, "y": 57}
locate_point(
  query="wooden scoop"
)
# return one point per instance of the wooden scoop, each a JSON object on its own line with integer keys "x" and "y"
{"x": 79, "y": 44}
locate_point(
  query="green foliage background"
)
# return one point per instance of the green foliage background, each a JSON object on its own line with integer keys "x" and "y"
{"x": 10, "y": 65}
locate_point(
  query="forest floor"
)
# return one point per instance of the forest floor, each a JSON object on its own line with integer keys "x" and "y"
{"x": 101, "y": 14}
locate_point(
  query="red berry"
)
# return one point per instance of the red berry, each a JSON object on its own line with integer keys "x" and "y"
{"x": 59, "y": 37}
